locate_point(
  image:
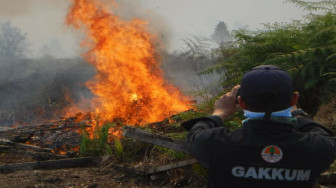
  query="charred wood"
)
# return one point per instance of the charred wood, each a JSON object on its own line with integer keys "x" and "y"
{"x": 7, "y": 142}
{"x": 171, "y": 166}
{"x": 51, "y": 164}
{"x": 40, "y": 156}
{"x": 4, "y": 148}
{"x": 155, "y": 139}
{"x": 32, "y": 129}
{"x": 59, "y": 128}
{"x": 31, "y": 147}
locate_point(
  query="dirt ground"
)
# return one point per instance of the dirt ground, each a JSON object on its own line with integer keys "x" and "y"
{"x": 93, "y": 177}
{"x": 102, "y": 176}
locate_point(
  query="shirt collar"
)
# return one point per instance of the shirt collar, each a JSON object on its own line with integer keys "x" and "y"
{"x": 283, "y": 116}
{"x": 282, "y": 113}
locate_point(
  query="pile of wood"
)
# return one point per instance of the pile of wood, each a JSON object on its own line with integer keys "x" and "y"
{"x": 52, "y": 145}
{"x": 45, "y": 141}
{"x": 56, "y": 144}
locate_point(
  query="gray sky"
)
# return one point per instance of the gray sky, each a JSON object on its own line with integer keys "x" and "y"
{"x": 43, "y": 20}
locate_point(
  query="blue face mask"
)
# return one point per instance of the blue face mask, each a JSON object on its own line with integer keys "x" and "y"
{"x": 282, "y": 113}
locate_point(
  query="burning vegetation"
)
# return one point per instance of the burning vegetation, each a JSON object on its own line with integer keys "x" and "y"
{"x": 79, "y": 109}
{"x": 66, "y": 108}
{"x": 128, "y": 86}
{"x": 122, "y": 83}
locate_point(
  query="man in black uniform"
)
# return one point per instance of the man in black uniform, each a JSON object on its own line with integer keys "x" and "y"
{"x": 276, "y": 145}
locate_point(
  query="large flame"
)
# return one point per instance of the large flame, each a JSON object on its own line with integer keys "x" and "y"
{"x": 128, "y": 85}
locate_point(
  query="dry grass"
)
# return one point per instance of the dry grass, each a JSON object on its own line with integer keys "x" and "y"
{"x": 326, "y": 114}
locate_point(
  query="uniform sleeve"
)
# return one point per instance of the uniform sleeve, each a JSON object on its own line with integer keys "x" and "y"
{"x": 309, "y": 126}
{"x": 200, "y": 137}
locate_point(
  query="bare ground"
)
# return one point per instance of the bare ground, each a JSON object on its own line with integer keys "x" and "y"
{"x": 104, "y": 175}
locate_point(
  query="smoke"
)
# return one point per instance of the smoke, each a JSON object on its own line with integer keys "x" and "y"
{"x": 39, "y": 88}
{"x": 180, "y": 68}
{"x": 156, "y": 23}
{"x": 183, "y": 69}
{"x": 14, "y": 8}
{"x": 43, "y": 21}
{"x": 183, "y": 72}
{"x": 18, "y": 8}
{"x": 35, "y": 90}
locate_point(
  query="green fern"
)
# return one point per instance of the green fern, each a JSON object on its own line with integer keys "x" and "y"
{"x": 98, "y": 145}
{"x": 118, "y": 148}
{"x": 306, "y": 49}
{"x": 326, "y": 5}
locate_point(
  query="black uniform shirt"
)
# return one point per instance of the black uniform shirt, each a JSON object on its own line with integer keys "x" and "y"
{"x": 261, "y": 153}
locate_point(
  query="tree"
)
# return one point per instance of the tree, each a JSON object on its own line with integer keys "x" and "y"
{"x": 13, "y": 42}
{"x": 53, "y": 49}
{"x": 306, "y": 49}
{"x": 221, "y": 33}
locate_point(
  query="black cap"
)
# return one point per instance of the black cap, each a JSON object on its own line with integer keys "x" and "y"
{"x": 267, "y": 88}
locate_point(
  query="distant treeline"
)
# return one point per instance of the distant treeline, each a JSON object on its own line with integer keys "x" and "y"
{"x": 306, "y": 49}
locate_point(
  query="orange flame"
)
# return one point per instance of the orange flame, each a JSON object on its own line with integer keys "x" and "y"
{"x": 129, "y": 84}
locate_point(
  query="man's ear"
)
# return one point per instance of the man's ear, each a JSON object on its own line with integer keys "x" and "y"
{"x": 295, "y": 98}
{"x": 242, "y": 103}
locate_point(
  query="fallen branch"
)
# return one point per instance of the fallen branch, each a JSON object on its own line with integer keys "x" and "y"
{"x": 4, "y": 148}
{"x": 7, "y": 142}
{"x": 171, "y": 166}
{"x": 41, "y": 128}
{"x": 155, "y": 139}
{"x": 51, "y": 164}
{"x": 159, "y": 140}
{"x": 31, "y": 147}
{"x": 41, "y": 156}
{"x": 58, "y": 128}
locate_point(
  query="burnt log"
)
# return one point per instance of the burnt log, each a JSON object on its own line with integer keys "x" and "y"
{"x": 7, "y": 142}
{"x": 155, "y": 139}
{"x": 51, "y": 164}
{"x": 41, "y": 128}
{"x": 58, "y": 128}
{"x": 171, "y": 166}
{"x": 4, "y": 148}
{"x": 40, "y": 156}
{"x": 162, "y": 141}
